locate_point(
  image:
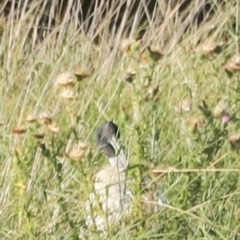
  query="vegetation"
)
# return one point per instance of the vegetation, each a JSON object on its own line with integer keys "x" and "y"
{"x": 170, "y": 82}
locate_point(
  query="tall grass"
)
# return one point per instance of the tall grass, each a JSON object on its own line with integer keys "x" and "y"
{"x": 43, "y": 190}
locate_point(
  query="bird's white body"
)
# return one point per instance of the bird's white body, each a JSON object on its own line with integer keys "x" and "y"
{"x": 111, "y": 196}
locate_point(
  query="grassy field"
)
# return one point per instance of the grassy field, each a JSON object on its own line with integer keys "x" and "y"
{"x": 175, "y": 96}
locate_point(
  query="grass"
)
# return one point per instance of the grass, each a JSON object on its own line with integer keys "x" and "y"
{"x": 44, "y": 190}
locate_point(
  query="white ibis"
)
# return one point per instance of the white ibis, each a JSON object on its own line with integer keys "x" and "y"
{"x": 112, "y": 199}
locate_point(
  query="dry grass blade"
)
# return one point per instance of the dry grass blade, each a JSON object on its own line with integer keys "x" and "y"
{"x": 192, "y": 170}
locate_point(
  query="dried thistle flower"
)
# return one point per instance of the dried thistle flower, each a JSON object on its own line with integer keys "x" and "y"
{"x": 130, "y": 45}
{"x": 30, "y": 118}
{"x": 65, "y": 79}
{"x": 78, "y": 150}
{"x": 221, "y": 109}
{"x": 184, "y": 106}
{"x": 233, "y": 65}
{"x": 234, "y": 141}
{"x": 152, "y": 91}
{"x": 39, "y": 135}
{"x": 44, "y": 118}
{"x": 212, "y": 47}
{"x": 53, "y": 127}
{"x": 129, "y": 75}
{"x": 81, "y": 73}
{"x": 155, "y": 53}
{"x": 19, "y": 130}
{"x": 125, "y": 44}
{"x": 67, "y": 94}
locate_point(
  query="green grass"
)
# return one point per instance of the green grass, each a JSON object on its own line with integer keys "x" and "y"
{"x": 43, "y": 191}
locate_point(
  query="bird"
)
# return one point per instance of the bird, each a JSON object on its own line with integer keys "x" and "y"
{"x": 112, "y": 194}
{"x": 110, "y": 183}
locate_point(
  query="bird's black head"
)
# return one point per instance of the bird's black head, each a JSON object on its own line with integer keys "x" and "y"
{"x": 105, "y": 133}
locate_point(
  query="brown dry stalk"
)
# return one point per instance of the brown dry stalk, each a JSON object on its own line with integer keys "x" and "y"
{"x": 189, "y": 170}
